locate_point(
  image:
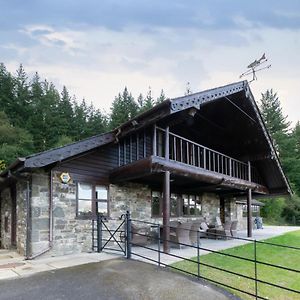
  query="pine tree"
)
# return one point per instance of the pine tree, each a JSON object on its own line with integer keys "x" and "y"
{"x": 161, "y": 98}
{"x": 65, "y": 113}
{"x": 14, "y": 142}
{"x": 22, "y": 105}
{"x": 7, "y": 92}
{"x": 123, "y": 108}
{"x": 148, "y": 102}
{"x": 272, "y": 113}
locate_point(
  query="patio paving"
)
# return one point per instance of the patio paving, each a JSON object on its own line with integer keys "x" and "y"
{"x": 13, "y": 266}
{"x": 211, "y": 244}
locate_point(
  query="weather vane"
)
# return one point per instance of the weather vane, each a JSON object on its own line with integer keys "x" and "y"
{"x": 255, "y": 67}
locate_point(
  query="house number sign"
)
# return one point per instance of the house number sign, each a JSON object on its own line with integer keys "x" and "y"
{"x": 65, "y": 177}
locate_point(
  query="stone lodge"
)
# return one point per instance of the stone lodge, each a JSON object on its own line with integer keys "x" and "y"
{"x": 203, "y": 155}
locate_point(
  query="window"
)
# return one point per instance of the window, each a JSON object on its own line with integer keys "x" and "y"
{"x": 191, "y": 205}
{"x": 254, "y": 208}
{"x": 156, "y": 204}
{"x": 90, "y": 196}
{"x": 180, "y": 205}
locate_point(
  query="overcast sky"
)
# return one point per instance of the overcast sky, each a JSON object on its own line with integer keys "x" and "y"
{"x": 96, "y": 48}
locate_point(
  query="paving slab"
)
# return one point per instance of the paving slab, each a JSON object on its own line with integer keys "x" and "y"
{"x": 8, "y": 274}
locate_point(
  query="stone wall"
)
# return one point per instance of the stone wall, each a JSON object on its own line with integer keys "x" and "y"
{"x": 210, "y": 207}
{"x": 133, "y": 197}
{"x": 6, "y": 211}
{"x": 40, "y": 212}
{"x": 5, "y": 219}
{"x": 21, "y": 216}
{"x": 70, "y": 235}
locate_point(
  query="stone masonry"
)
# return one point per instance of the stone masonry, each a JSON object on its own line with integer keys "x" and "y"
{"x": 40, "y": 212}
{"x": 5, "y": 219}
{"x": 70, "y": 235}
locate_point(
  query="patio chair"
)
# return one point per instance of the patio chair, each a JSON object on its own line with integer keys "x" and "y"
{"x": 181, "y": 235}
{"x": 139, "y": 235}
{"x": 223, "y": 232}
{"x": 195, "y": 232}
{"x": 203, "y": 229}
{"x": 233, "y": 228}
{"x": 218, "y": 223}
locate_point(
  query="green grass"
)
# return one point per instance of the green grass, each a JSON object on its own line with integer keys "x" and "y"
{"x": 289, "y": 258}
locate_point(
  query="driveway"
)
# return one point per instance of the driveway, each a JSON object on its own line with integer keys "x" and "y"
{"x": 112, "y": 279}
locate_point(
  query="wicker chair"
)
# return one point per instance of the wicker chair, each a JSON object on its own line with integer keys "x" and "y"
{"x": 225, "y": 231}
{"x": 233, "y": 228}
{"x": 195, "y": 232}
{"x": 139, "y": 236}
{"x": 181, "y": 235}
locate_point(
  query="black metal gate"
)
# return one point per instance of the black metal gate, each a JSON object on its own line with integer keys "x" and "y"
{"x": 111, "y": 234}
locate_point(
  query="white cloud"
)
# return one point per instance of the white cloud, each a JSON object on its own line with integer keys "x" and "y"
{"x": 96, "y": 63}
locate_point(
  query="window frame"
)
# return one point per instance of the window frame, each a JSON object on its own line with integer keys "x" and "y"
{"x": 93, "y": 200}
{"x": 179, "y": 205}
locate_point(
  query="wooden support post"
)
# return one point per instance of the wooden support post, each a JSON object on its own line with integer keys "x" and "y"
{"x": 154, "y": 150}
{"x": 249, "y": 171}
{"x": 249, "y": 213}
{"x": 167, "y": 143}
{"x": 166, "y": 212}
{"x": 249, "y": 204}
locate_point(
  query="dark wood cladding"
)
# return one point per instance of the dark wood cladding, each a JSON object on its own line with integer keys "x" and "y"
{"x": 135, "y": 147}
{"x": 94, "y": 166}
{"x": 154, "y": 164}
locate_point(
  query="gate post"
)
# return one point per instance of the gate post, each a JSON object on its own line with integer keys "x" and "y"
{"x": 128, "y": 235}
{"x": 99, "y": 232}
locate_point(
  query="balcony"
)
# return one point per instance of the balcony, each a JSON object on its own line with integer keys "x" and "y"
{"x": 159, "y": 150}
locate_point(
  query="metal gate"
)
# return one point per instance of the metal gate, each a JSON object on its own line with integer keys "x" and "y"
{"x": 111, "y": 234}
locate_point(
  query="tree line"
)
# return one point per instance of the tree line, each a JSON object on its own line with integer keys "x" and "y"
{"x": 35, "y": 116}
{"x": 286, "y": 139}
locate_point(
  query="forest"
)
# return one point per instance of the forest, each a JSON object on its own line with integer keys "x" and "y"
{"x": 36, "y": 116}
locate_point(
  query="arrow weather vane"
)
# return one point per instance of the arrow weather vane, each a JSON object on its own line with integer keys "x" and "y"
{"x": 255, "y": 67}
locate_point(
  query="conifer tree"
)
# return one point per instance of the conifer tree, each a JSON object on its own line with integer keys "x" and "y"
{"x": 123, "y": 108}
{"x": 161, "y": 98}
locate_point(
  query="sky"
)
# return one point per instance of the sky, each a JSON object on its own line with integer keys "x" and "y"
{"x": 96, "y": 48}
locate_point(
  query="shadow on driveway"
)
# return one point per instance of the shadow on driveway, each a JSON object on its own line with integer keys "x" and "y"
{"x": 112, "y": 279}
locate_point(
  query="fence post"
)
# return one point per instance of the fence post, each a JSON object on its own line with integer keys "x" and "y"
{"x": 255, "y": 269}
{"x": 128, "y": 235}
{"x": 198, "y": 253}
{"x": 158, "y": 243}
{"x": 99, "y": 232}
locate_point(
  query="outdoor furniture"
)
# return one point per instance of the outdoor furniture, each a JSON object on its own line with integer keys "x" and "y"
{"x": 139, "y": 235}
{"x": 218, "y": 223}
{"x": 195, "y": 232}
{"x": 258, "y": 222}
{"x": 181, "y": 235}
{"x": 203, "y": 229}
{"x": 233, "y": 228}
{"x": 223, "y": 232}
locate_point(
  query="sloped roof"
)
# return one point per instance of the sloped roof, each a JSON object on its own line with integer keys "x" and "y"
{"x": 158, "y": 112}
{"x": 42, "y": 159}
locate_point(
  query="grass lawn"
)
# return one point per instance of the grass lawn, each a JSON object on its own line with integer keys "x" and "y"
{"x": 289, "y": 258}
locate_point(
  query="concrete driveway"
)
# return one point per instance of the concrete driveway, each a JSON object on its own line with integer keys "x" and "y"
{"x": 112, "y": 279}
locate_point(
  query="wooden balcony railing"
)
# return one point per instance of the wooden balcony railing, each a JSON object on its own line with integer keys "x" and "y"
{"x": 155, "y": 142}
{"x": 185, "y": 151}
